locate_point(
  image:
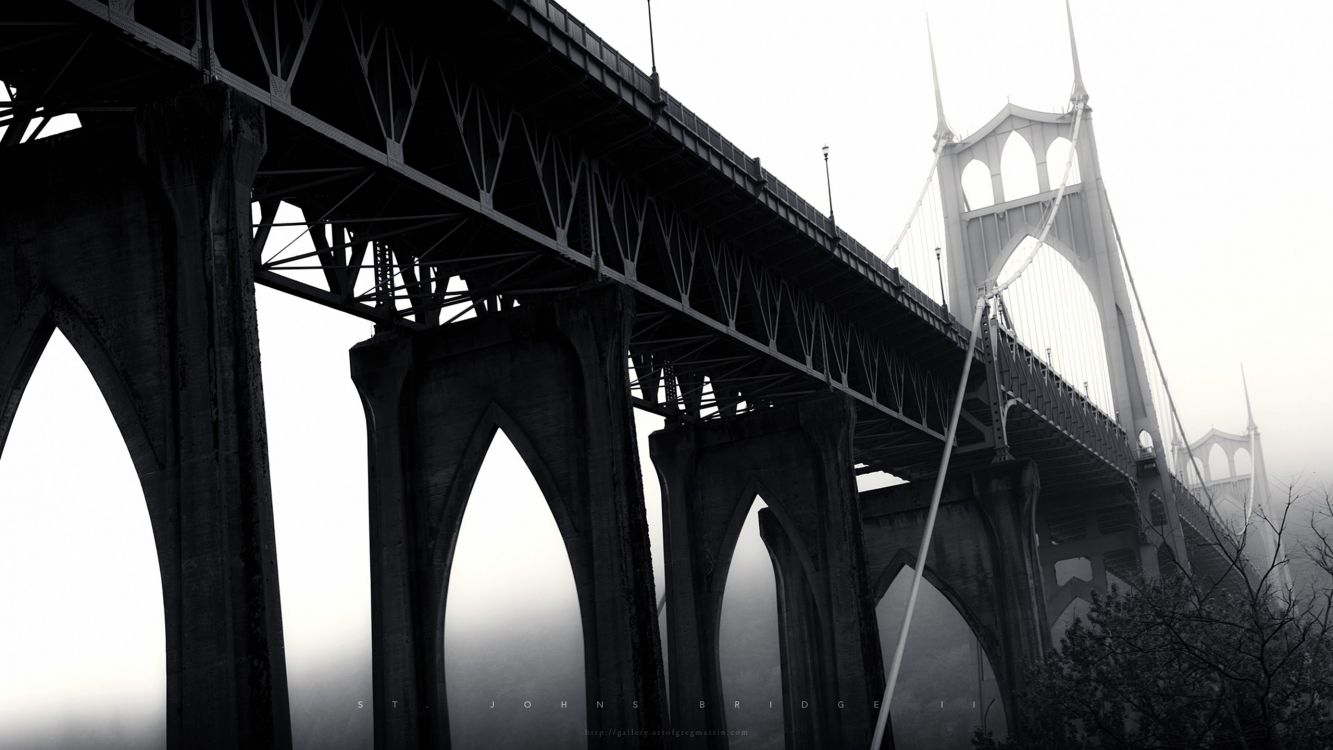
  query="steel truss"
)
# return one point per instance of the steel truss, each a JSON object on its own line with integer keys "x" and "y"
{"x": 474, "y": 167}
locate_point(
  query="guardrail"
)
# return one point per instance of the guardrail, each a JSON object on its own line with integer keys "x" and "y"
{"x": 1034, "y": 383}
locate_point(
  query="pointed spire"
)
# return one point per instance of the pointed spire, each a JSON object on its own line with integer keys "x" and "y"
{"x": 942, "y": 132}
{"x": 1079, "y": 94}
{"x": 1249, "y": 413}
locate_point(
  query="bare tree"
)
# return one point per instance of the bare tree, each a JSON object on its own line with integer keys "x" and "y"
{"x": 1236, "y": 660}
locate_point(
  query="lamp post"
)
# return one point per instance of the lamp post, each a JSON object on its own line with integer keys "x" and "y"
{"x": 828, "y": 182}
{"x": 939, "y": 268}
{"x": 652, "y": 48}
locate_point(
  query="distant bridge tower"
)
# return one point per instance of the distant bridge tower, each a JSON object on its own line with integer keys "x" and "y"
{"x": 981, "y": 238}
{"x": 1242, "y": 499}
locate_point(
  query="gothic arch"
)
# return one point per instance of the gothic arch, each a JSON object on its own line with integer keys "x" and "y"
{"x": 902, "y": 561}
{"x": 1077, "y": 608}
{"x": 114, "y": 386}
{"x": 1018, "y": 169}
{"x": 780, "y": 507}
{"x": 751, "y": 618}
{"x": 39, "y": 319}
{"x": 30, "y": 336}
{"x": 1219, "y": 467}
{"x": 977, "y": 185}
{"x": 1054, "y": 305}
{"x": 514, "y": 609}
{"x": 493, "y": 418}
{"x": 988, "y": 641}
{"x": 1023, "y": 232}
{"x": 134, "y": 600}
{"x": 1057, "y": 154}
{"x": 1243, "y": 461}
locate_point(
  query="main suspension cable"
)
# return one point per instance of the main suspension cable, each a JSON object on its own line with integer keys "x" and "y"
{"x": 1152, "y": 345}
{"x": 1055, "y": 205}
{"x": 918, "y": 569}
{"x": 988, "y": 291}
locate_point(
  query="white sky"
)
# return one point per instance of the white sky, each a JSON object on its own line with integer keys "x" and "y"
{"x": 1202, "y": 112}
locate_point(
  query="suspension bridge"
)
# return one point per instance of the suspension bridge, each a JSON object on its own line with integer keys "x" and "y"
{"x": 545, "y": 240}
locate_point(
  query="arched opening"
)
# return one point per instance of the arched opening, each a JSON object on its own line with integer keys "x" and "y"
{"x": 1218, "y": 466}
{"x": 1244, "y": 464}
{"x": 1054, "y": 314}
{"x": 1194, "y": 470}
{"x": 512, "y": 632}
{"x": 1145, "y": 441}
{"x": 946, "y": 686}
{"x": 1018, "y": 168}
{"x": 750, "y": 658}
{"x": 83, "y": 639}
{"x": 1077, "y": 609}
{"x": 1057, "y": 157}
{"x": 1071, "y": 568}
{"x": 978, "y": 190}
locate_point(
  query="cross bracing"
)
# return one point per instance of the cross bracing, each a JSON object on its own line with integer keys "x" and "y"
{"x": 447, "y": 169}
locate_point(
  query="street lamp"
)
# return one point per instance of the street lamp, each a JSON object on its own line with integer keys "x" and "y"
{"x": 828, "y": 182}
{"x": 939, "y": 268}
{"x": 652, "y": 49}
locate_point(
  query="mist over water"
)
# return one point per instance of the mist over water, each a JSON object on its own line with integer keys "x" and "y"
{"x": 513, "y": 636}
{"x": 940, "y": 696}
{"x": 82, "y": 635}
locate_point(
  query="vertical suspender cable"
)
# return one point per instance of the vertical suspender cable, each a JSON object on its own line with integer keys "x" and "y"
{"x": 916, "y": 207}
{"x": 1055, "y": 204}
{"x": 920, "y": 566}
{"x": 1170, "y": 401}
{"x": 988, "y": 291}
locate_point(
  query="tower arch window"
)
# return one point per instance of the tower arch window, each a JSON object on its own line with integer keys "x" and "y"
{"x": 1018, "y": 168}
{"x": 978, "y": 191}
{"x": 1057, "y": 156}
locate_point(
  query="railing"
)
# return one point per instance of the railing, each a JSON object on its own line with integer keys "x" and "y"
{"x": 741, "y": 162}
{"x": 1029, "y": 379}
{"x": 1033, "y": 382}
{"x": 1206, "y": 523}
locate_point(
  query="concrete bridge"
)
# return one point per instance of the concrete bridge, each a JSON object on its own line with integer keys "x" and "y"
{"x": 546, "y": 240}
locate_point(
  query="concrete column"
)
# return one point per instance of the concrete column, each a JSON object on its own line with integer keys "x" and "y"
{"x": 798, "y": 635}
{"x": 1008, "y": 493}
{"x": 798, "y": 458}
{"x": 553, "y": 377}
{"x": 982, "y": 559}
{"x": 133, "y": 238}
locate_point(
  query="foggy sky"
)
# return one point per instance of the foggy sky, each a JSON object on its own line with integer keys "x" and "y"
{"x": 1202, "y": 113}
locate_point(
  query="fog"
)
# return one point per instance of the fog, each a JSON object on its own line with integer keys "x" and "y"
{"x": 1201, "y": 115}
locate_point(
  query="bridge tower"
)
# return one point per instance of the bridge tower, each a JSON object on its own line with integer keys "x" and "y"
{"x": 1241, "y": 499}
{"x": 981, "y": 238}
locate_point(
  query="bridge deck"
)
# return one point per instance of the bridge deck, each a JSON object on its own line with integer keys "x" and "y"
{"x": 506, "y": 146}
